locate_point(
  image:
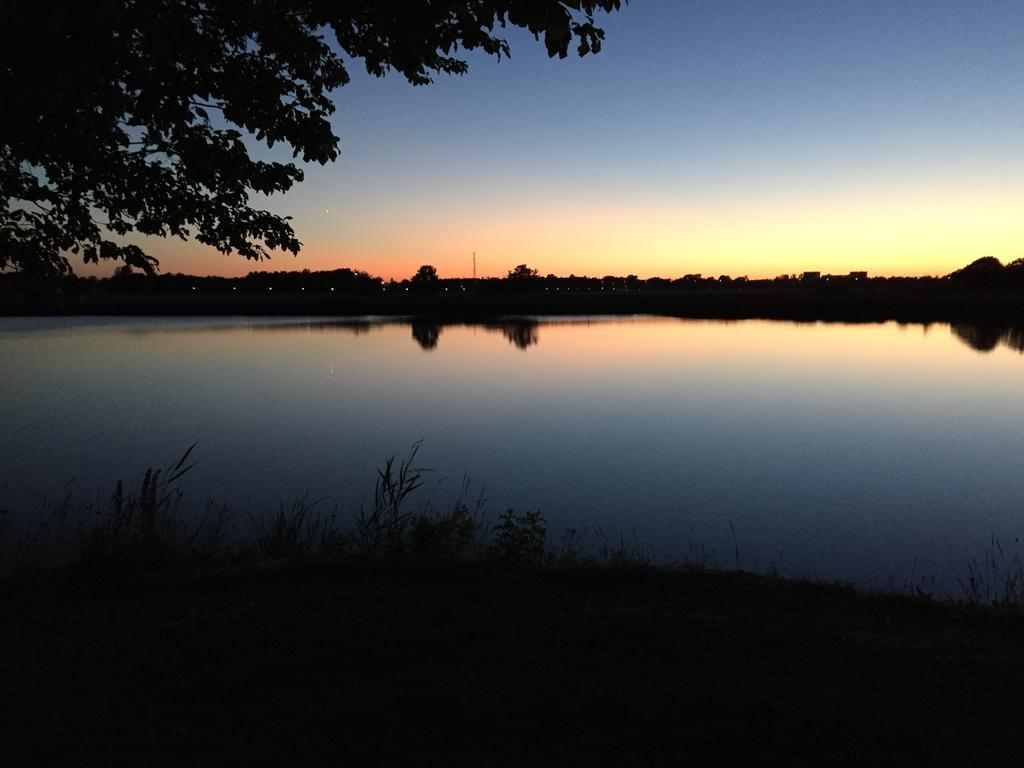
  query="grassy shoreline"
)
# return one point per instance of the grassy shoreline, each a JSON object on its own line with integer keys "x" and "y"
{"x": 149, "y": 526}
{"x": 424, "y": 637}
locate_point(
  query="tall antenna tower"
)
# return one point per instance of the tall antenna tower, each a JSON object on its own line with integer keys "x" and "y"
{"x": 474, "y": 265}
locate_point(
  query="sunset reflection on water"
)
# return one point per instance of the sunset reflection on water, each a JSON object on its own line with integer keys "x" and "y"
{"x": 857, "y": 452}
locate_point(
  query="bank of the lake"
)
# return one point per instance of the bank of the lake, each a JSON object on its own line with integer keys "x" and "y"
{"x": 406, "y": 663}
{"x": 911, "y": 304}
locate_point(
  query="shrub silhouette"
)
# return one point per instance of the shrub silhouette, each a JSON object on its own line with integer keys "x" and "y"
{"x": 446, "y": 537}
{"x": 519, "y": 539}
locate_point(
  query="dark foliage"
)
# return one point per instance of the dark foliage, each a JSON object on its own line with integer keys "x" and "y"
{"x": 522, "y": 272}
{"x": 425, "y": 274}
{"x": 985, "y": 272}
{"x": 989, "y": 272}
{"x": 519, "y": 539}
{"x": 425, "y": 280}
{"x": 124, "y": 117}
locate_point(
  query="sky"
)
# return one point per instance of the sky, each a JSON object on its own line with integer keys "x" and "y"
{"x": 737, "y": 137}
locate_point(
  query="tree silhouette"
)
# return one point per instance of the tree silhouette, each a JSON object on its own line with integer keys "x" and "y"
{"x": 127, "y": 117}
{"x": 522, "y": 278}
{"x": 425, "y": 280}
{"x": 522, "y": 272}
{"x": 985, "y": 272}
{"x": 427, "y": 274}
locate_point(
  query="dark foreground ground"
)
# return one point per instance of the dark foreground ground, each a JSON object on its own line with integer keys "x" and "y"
{"x": 401, "y": 664}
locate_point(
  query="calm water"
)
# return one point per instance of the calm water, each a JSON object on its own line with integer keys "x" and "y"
{"x": 858, "y": 452}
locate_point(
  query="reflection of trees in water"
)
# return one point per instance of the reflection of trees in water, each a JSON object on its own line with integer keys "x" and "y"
{"x": 522, "y": 333}
{"x": 355, "y": 327}
{"x": 426, "y": 332}
{"x": 1014, "y": 338}
{"x": 985, "y": 338}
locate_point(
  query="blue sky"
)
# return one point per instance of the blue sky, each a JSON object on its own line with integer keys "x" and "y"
{"x": 731, "y": 136}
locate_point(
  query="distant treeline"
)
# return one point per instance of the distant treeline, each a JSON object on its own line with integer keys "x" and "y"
{"x": 985, "y": 273}
{"x": 985, "y": 291}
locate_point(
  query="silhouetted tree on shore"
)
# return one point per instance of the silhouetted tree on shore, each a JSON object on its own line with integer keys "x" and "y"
{"x": 985, "y": 272}
{"x": 522, "y": 278}
{"x": 425, "y": 280}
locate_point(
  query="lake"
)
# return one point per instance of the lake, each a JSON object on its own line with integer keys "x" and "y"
{"x": 881, "y": 454}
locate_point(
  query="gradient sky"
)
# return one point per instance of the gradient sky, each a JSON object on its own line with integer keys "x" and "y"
{"x": 721, "y": 137}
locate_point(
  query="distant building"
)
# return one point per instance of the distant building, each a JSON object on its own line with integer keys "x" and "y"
{"x": 858, "y": 275}
{"x": 810, "y": 276}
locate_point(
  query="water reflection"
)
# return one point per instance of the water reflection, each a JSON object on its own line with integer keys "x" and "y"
{"x": 521, "y": 332}
{"x": 355, "y": 327}
{"x": 524, "y": 332}
{"x": 985, "y": 338}
{"x": 426, "y": 333}
{"x": 860, "y": 451}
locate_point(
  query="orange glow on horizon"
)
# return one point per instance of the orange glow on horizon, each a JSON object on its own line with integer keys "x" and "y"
{"x": 905, "y": 232}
